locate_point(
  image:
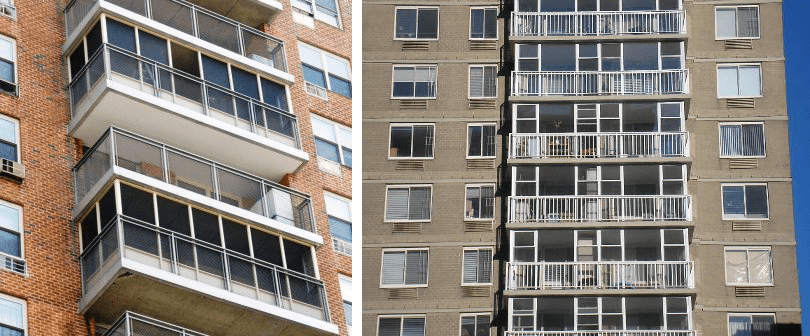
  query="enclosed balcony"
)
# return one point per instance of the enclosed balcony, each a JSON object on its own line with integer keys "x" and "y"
{"x": 121, "y": 154}
{"x": 132, "y": 324}
{"x": 600, "y": 316}
{"x": 609, "y": 259}
{"x": 644, "y": 23}
{"x": 598, "y": 130}
{"x": 557, "y": 194}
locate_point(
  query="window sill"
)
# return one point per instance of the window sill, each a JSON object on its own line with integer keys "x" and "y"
{"x": 409, "y": 158}
{"x": 748, "y": 285}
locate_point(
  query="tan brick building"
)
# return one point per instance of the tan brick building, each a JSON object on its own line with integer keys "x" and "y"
{"x": 175, "y": 166}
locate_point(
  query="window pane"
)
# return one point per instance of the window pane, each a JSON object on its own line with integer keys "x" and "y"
{"x": 10, "y": 243}
{"x": 338, "y": 208}
{"x": 121, "y": 35}
{"x": 416, "y": 267}
{"x": 173, "y": 216}
{"x": 154, "y": 48}
{"x": 558, "y": 57}
{"x": 756, "y": 201}
{"x": 763, "y": 326}
{"x": 491, "y": 23}
{"x": 474, "y": 140}
{"x": 7, "y": 49}
{"x": 406, "y": 23}
{"x": 397, "y": 204}
{"x": 310, "y": 56}
{"x": 235, "y": 236}
{"x": 340, "y": 229}
{"x": 137, "y": 203}
{"x": 477, "y": 23}
{"x": 401, "y": 141}
{"x": 739, "y": 325}
{"x": 274, "y": 94}
{"x": 730, "y": 140}
{"x": 9, "y": 218}
{"x": 206, "y": 227}
{"x": 750, "y": 81}
{"x": 759, "y": 266}
{"x": 393, "y": 268}
{"x": 245, "y": 83}
{"x": 468, "y": 326}
{"x": 753, "y": 140}
{"x": 266, "y": 247}
{"x": 727, "y": 81}
{"x": 215, "y": 71}
{"x": 422, "y": 141}
{"x": 327, "y": 150}
{"x": 11, "y": 314}
{"x": 313, "y": 75}
{"x": 726, "y": 19}
{"x": 340, "y": 86}
{"x": 390, "y": 327}
{"x": 733, "y": 200}
{"x": 640, "y": 56}
{"x": 299, "y": 257}
{"x": 747, "y": 22}
{"x": 736, "y": 267}
{"x": 419, "y": 204}
{"x": 428, "y": 24}
{"x": 413, "y": 327}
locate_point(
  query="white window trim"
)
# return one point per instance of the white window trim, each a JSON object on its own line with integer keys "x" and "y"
{"x": 391, "y": 127}
{"x": 497, "y": 30}
{"x": 337, "y": 127}
{"x": 600, "y": 58}
{"x": 467, "y": 149}
{"x": 737, "y": 65}
{"x": 350, "y": 220}
{"x": 313, "y": 11}
{"x": 759, "y": 21}
{"x": 736, "y": 218}
{"x": 599, "y": 179}
{"x": 492, "y": 265}
{"x": 748, "y": 315}
{"x": 579, "y": 107}
{"x": 402, "y": 186}
{"x": 469, "y": 80}
{"x": 350, "y": 295}
{"x": 720, "y": 138}
{"x": 747, "y": 284}
{"x": 21, "y": 232}
{"x": 325, "y": 66}
{"x": 401, "y": 320}
{"x": 417, "y": 8}
{"x": 24, "y": 305}
{"x": 382, "y": 267}
{"x": 435, "y": 84}
{"x": 464, "y": 208}
{"x": 14, "y": 60}
{"x": 16, "y": 134}
{"x": 463, "y": 315}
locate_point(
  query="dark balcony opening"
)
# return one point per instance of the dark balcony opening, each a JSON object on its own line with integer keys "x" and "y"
{"x": 89, "y": 228}
{"x": 206, "y": 227}
{"x": 185, "y": 59}
{"x": 137, "y": 203}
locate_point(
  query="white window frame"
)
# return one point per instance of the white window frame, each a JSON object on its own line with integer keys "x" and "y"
{"x": 747, "y": 249}
{"x": 311, "y": 7}
{"x": 15, "y": 67}
{"x": 475, "y": 315}
{"x": 346, "y": 293}
{"x": 738, "y": 65}
{"x": 325, "y": 67}
{"x": 433, "y": 145}
{"x": 409, "y": 186}
{"x": 23, "y": 311}
{"x": 485, "y": 124}
{"x": 19, "y": 210}
{"x": 479, "y": 185}
{"x": 598, "y": 179}
{"x": 491, "y": 265}
{"x": 577, "y": 120}
{"x": 417, "y": 8}
{"x": 759, "y": 23}
{"x": 600, "y": 57}
{"x": 745, "y": 216}
{"x": 16, "y": 134}
{"x": 340, "y": 143}
{"x": 401, "y": 321}
{"x": 483, "y": 77}
{"x": 749, "y": 315}
{"x": 406, "y": 250}
{"x": 339, "y": 244}
{"x": 435, "y": 68}
{"x": 720, "y": 138}
{"x": 484, "y": 8}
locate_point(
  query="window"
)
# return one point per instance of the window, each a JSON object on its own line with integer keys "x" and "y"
{"x": 339, "y": 211}
{"x": 409, "y": 325}
{"x": 417, "y": 23}
{"x": 749, "y": 266}
{"x": 737, "y": 22}
{"x": 11, "y": 234}
{"x": 480, "y": 202}
{"x": 7, "y": 8}
{"x": 332, "y": 141}
{"x": 411, "y": 141}
{"x": 745, "y": 201}
{"x": 742, "y": 140}
{"x": 477, "y": 266}
{"x": 9, "y": 139}
{"x": 8, "y": 69}
{"x": 12, "y": 316}
{"x": 346, "y": 293}
{"x": 739, "y": 80}
{"x": 751, "y": 324}
{"x": 418, "y": 81}
{"x": 408, "y": 203}
{"x": 475, "y": 324}
{"x": 481, "y": 140}
{"x": 483, "y": 23}
{"x": 483, "y": 81}
{"x": 325, "y": 70}
{"x": 625, "y": 56}
{"x": 404, "y": 268}
{"x": 324, "y": 10}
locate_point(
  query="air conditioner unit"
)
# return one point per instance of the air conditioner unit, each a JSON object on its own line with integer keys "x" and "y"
{"x": 315, "y": 90}
{"x": 14, "y": 170}
{"x": 281, "y": 208}
{"x": 262, "y": 60}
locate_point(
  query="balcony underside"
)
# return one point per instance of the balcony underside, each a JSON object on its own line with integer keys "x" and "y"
{"x": 181, "y": 124}
{"x": 597, "y": 38}
{"x": 595, "y": 292}
{"x": 599, "y": 225}
{"x": 599, "y": 160}
{"x": 250, "y": 12}
{"x": 597, "y": 98}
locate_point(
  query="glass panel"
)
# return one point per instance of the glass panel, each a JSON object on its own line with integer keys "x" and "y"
{"x": 266, "y": 247}
{"x": 154, "y": 48}
{"x": 173, "y": 216}
{"x": 89, "y": 228}
{"x": 756, "y": 201}
{"x": 139, "y": 156}
{"x": 190, "y": 174}
{"x": 240, "y": 191}
{"x": 236, "y": 236}
{"x": 206, "y": 227}
{"x": 727, "y": 82}
{"x": 428, "y": 24}
{"x": 299, "y": 257}
{"x": 640, "y": 56}
{"x": 406, "y": 23}
{"x": 750, "y": 84}
{"x": 137, "y": 204}
{"x": 215, "y": 71}
{"x": 121, "y": 35}
{"x": 401, "y": 141}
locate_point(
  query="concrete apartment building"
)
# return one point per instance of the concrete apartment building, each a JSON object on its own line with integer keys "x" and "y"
{"x": 174, "y": 167}
{"x": 642, "y": 178}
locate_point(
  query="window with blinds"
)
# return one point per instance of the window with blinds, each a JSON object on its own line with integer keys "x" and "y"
{"x": 404, "y": 267}
{"x": 477, "y": 266}
{"x": 737, "y": 22}
{"x": 742, "y": 140}
{"x": 483, "y": 81}
{"x": 414, "y": 81}
{"x": 12, "y": 316}
{"x": 408, "y": 203}
{"x": 409, "y": 325}
{"x": 739, "y": 80}
{"x": 745, "y": 201}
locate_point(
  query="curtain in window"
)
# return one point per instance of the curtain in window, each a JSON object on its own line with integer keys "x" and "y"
{"x": 763, "y": 326}
{"x": 477, "y": 82}
{"x": 742, "y": 140}
{"x": 393, "y": 269}
{"x": 416, "y": 268}
{"x": 468, "y": 326}
{"x": 419, "y": 205}
{"x": 736, "y": 267}
{"x": 726, "y": 19}
{"x": 747, "y": 22}
{"x": 478, "y": 266}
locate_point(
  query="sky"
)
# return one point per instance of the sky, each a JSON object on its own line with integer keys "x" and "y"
{"x": 797, "y": 53}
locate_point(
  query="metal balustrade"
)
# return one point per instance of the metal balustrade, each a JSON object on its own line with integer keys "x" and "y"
{"x": 604, "y": 333}
{"x": 188, "y": 171}
{"x": 135, "y": 241}
{"x": 132, "y": 324}
{"x": 580, "y": 208}
{"x": 600, "y": 275}
{"x": 577, "y": 83}
{"x": 602, "y": 23}
{"x": 195, "y": 21}
{"x": 114, "y": 64}
{"x": 598, "y": 145}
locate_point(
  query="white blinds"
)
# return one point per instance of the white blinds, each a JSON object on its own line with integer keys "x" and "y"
{"x": 413, "y": 326}
{"x": 405, "y": 267}
{"x": 11, "y": 313}
{"x": 408, "y": 203}
{"x": 742, "y": 140}
{"x": 393, "y": 270}
{"x": 478, "y": 266}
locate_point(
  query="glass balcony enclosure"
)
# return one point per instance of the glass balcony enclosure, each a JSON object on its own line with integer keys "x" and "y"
{"x": 132, "y": 324}
{"x": 607, "y": 130}
{"x": 599, "y": 259}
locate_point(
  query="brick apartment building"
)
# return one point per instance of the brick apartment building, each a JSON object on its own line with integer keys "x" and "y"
{"x": 174, "y": 167}
{"x": 641, "y": 184}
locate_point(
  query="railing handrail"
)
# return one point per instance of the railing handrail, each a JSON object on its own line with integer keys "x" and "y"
{"x": 87, "y": 154}
{"x": 600, "y": 72}
{"x": 598, "y": 196}
{"x": 129, "y": 315}
{"x": 604, "y": 332}
{"x": 596, "y": 133}
{"x": 613, "y": 262}
{"x": 662, "y": 11}
{"x": 104, "y": 229}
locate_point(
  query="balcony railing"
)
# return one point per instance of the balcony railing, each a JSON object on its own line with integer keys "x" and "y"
{"x": 604, "y": 333}
{"x": 195, "y": 21}
{"x": 190, "y": 172}
{"x": 600, "y": 275}
{"x": 114, "y": 64}
{"x": 131, "y": 324}
{"x": 578, "y": 83}
{"x": 554, "y": 209}
{"x": 129, "y": 239}
{"x": 598, "y": 145}
{"x": 598, "y": 23}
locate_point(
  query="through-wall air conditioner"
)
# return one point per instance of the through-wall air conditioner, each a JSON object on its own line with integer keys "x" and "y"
{"x": 14, "y": 170}
{"x": 281, "y": 208}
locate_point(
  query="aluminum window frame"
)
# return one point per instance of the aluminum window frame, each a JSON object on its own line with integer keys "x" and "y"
{"x": 20, "y": 224}
{"x": 737, "y": 66}
{"x": 405, "y": 250}
{"x": 491, "y": 265}
{"x": 497, "y": 31}
{"x": 17, "y": 136}
{"x": 402, "y": 318}
{"x": 751, "y": 315}
{"x": 745, "y": 205}
{"x": 475, "y": 315}
{"x": 337, "y": 128}
{"x": 494, "y": 199}
{"x": 736, "y": 18}
{"x": 417, "y": 8}
{"x": 411, "y": 157}
{"x": 741, "y": 123}
{"x": 599, "y": 55}
{"x": 467, "y": 148}
{"x": 434, "y": 67}
{"x": 408, "y": 186}
{"x": 483, "y": 78}
{"x": 747, "y": 263}
{"x": 599, "y": 180}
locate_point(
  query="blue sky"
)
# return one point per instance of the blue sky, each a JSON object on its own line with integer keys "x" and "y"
{"x": 797, "y": 51}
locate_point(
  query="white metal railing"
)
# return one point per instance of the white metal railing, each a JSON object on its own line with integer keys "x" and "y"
{"x": 603, "y": 145}
{"x": 613, "y": 208}
{"x": 598, "y": 23}
{"x": 132, "y": 324}
{"x": 600, "y": 275}
{"x": 603, "y": 333}
{"x": 575, "y": 83}
{"x": 195, "y": 21}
